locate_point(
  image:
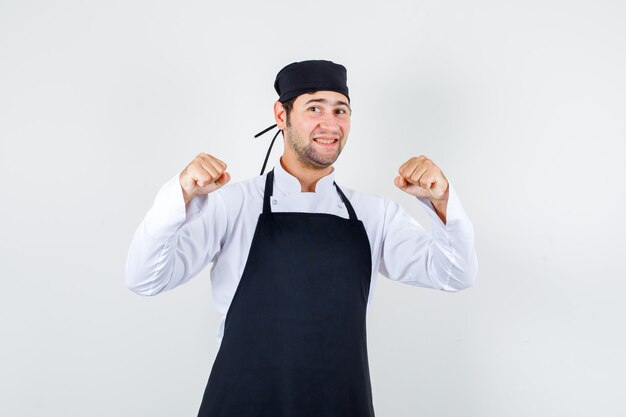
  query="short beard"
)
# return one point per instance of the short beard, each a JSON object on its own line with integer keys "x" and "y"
{"x": 306, "y": 153}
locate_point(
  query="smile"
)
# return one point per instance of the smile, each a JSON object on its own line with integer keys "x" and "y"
{"x": 326, "y": 141}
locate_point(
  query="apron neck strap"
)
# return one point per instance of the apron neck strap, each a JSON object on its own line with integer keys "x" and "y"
{"x": 269, "y": 191}
{"x": 346, "y": 202}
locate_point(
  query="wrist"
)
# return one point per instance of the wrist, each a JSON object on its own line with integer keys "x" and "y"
{"x": 443, "y": 199}
{"x": 441, "y": 205}
{"x": 186, "y": 196}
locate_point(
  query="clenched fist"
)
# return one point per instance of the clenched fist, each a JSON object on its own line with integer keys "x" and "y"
{"x": 203, "y": 175}
{"x": 420, "y": 177}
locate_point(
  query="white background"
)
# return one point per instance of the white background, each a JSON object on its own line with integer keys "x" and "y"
{"x": 522, "y": 104}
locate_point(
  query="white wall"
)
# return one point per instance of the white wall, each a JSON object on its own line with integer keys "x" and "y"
{"x": 521, "y": 104}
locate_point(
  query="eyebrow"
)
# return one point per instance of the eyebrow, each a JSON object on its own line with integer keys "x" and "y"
{"x": 323, "y": 100}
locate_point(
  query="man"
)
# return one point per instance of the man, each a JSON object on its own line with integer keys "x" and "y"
{"x": 295, "y": 257}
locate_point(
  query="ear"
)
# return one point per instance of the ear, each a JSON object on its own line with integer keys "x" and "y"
{"x": 280, "y": 115}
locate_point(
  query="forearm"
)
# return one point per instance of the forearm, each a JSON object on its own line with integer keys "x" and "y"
{"x": 453, "y": 254}
{"x": 452, "y": 258}
{"x": 443, "y": 259}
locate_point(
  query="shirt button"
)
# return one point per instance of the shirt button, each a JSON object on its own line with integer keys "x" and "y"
{"x": 274, "y": 201}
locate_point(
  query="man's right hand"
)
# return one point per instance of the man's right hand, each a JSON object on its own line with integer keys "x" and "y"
{"x": 203, "y": 175}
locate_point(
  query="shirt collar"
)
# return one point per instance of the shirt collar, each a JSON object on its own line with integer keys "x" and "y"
{"x": 288, "y": 184}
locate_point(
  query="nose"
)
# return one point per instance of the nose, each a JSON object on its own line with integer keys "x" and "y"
{"x": 329, "y": 123}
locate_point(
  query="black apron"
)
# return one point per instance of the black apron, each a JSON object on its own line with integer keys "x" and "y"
{"x": 294, "y": 342}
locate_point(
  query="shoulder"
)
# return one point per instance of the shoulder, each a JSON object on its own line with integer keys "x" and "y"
{"x": 237, "y": 194}
{"x": 366, "y": 204}
{"x": 376, "y": 211}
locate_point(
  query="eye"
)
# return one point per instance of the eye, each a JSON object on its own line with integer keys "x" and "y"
{"x": 341, "y": 111}
{"x": 314, "y": 109}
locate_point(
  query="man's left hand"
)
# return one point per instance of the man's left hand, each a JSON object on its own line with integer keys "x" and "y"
{"x": 420, "y": 177}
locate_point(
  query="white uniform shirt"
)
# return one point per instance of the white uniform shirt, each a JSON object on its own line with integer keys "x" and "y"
{"x": 175, "y": 242}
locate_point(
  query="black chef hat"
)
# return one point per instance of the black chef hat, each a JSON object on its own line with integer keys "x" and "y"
{"x": 309, "y": 76}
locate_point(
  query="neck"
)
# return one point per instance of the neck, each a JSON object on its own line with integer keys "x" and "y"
{"x": 308, "y": 176}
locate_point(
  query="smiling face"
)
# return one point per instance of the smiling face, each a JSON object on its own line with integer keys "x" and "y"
{"x": 317, "y": 128}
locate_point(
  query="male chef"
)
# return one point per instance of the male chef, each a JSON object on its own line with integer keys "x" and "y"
{"x": 295, "y": 256}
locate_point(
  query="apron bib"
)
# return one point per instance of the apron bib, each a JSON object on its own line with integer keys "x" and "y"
{"x": 294, "y": 342}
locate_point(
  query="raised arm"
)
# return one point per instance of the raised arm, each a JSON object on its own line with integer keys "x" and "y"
{"x": 183, "y": 230}
{"x": 445, "y": 258}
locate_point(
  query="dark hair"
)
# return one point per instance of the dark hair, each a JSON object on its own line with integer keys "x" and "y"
{"x": 288, "y": 106}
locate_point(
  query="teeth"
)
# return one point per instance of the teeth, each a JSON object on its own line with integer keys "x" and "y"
{"x": 327, "y": 142}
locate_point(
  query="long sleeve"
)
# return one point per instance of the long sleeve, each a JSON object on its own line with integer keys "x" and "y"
{"x": 174, "y": 242}
{"x": 444, "y": 259}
